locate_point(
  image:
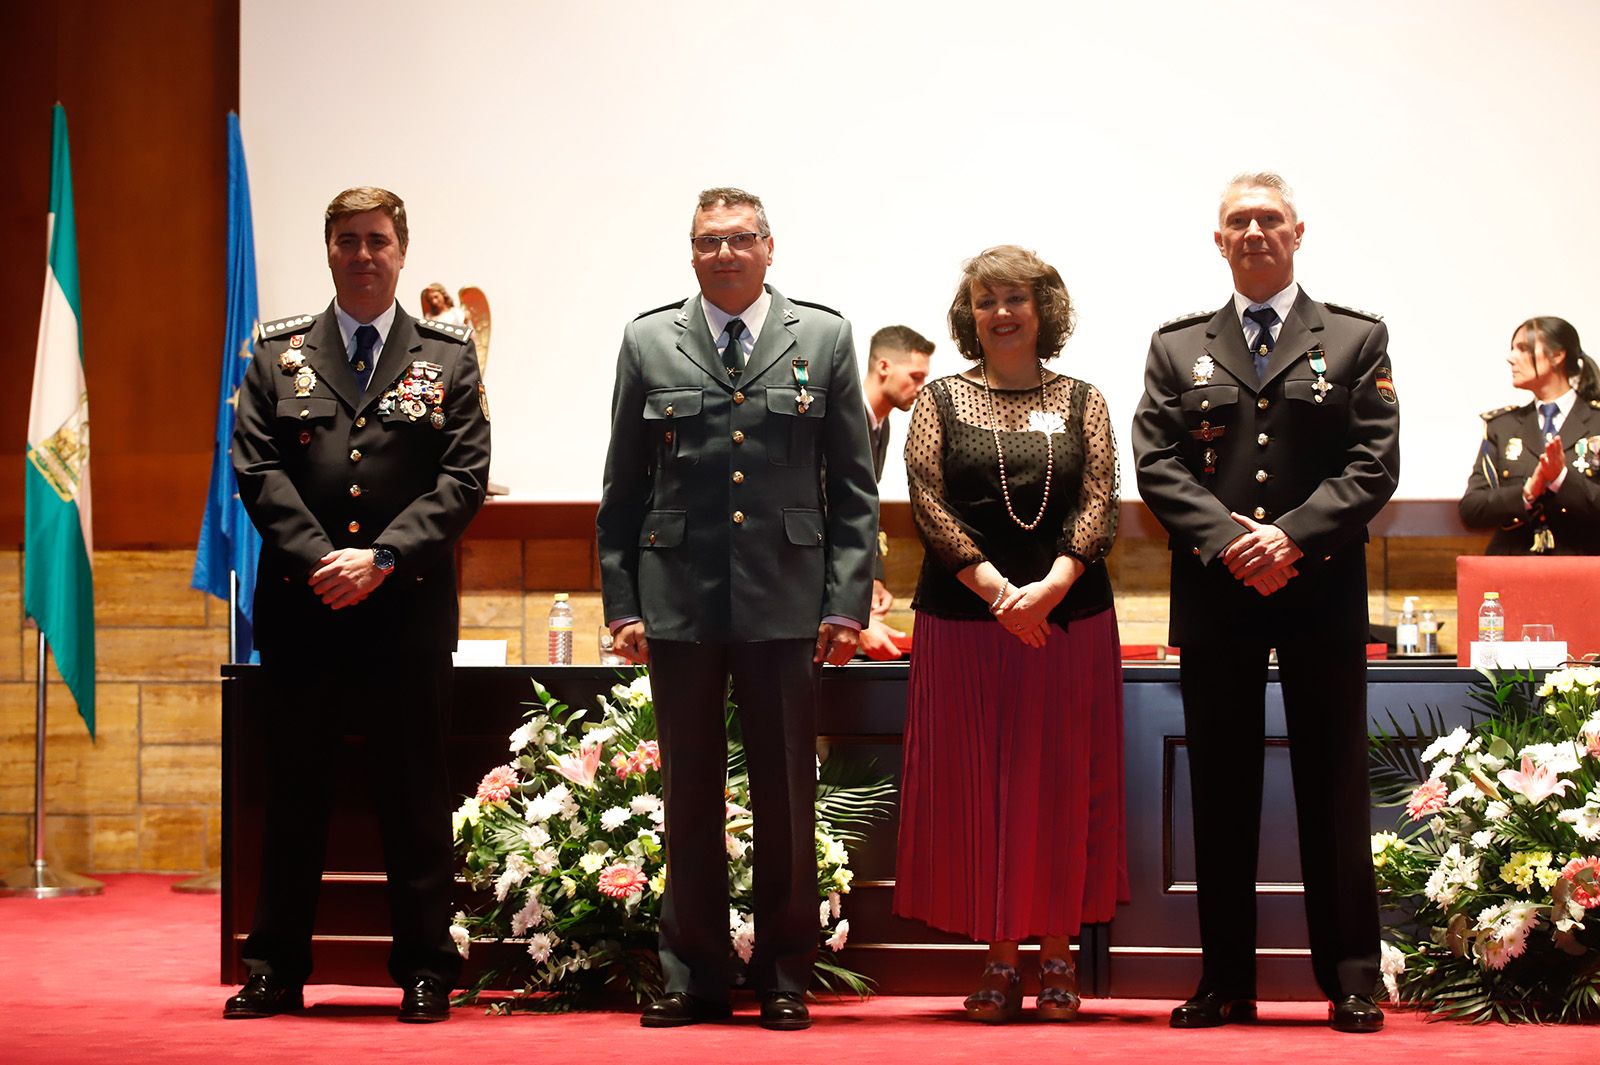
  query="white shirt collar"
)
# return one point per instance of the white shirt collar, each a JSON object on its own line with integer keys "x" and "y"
{"x": 1283, "y": 303}
{"x": 753, "y": 317}
{"x": 873, "y": 421}
{"x": 348, "y": 327}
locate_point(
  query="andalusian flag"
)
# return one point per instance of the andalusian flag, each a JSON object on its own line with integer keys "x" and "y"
{"x": 58, "y": 587}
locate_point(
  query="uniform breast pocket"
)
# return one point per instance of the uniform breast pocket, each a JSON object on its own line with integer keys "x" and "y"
{"x": 673, "y": 416}
{"x": 796, "y": 425}
{"x": 301, "y": 418}
{"x": 1325, "y": 394}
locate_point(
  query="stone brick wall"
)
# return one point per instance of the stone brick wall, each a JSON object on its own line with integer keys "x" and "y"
{"x": 143, "y": 796}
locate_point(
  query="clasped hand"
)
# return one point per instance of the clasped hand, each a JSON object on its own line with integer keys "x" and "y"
{"x": 1547, "y": 472}
{"x": 345, "y": 577}
{"x": 1024, "y": 611}
{"x": 1263, "y": 558}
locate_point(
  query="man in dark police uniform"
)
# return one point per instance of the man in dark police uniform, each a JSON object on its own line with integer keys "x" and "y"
{"x": 362, "y": 452}
{"x": 737, "y": 531}
{"x": 1266, "y": 440}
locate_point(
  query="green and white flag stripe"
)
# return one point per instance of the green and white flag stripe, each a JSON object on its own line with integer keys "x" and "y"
{"x": 58, "y": 586}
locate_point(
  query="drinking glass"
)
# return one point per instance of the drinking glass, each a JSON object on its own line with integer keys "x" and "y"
{"x": 1538, "y": 633}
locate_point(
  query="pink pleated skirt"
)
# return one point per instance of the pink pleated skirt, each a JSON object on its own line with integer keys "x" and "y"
{"x": 1011, "y": 792}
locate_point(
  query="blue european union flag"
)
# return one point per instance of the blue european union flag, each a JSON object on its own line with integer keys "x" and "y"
{"x": 228, "y": 541}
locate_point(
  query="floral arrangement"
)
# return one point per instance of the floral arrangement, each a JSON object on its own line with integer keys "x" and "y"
{"x": 1495, "y": 874}
{"x": 564, "y": 844}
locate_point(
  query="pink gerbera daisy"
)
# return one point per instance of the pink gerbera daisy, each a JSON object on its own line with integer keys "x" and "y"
{"x": 496, "y": 784}
{"x": 1584, "y": 876}
{"x": 1429, "y": 798}
{"x": 620, "y": 881}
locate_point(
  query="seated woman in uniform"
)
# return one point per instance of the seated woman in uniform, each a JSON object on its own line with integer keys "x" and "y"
{"x": 1537, "y": 478}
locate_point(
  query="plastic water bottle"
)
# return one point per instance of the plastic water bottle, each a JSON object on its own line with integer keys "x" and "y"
{"x": 561, "y": 631}
{"x": 1405, "y": 633}
{"x": 1491, "y": 619}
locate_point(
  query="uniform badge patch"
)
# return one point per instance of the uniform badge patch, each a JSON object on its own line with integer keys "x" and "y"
{"x": 290, "y": 361}
{"x": 483, "y": 400}
{"x": 1514, "y": 449}
{"x": 1386, "y": 385}
{"x": 1204, "y": 367}
{"x": 305, "y": 379}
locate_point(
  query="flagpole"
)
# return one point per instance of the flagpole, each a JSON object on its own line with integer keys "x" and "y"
{"x": 38, "y": 880}
{"x": 210, "y": 883}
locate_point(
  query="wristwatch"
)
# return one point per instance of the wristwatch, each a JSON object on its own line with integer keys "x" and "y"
{"x": 382, "y": 560}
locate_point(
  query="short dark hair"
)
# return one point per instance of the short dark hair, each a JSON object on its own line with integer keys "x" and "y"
{"x": 1008, "y": 264}
{"x": 727, "y": 196}
{"x": 1558, "y": 334}
{"x": 367, "y": 198}
{"x": 899, "y": 338}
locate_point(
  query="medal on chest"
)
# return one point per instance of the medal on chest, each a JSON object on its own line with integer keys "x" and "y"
{"x": 802, "y": 377}
{"x": 1319, "y": 366}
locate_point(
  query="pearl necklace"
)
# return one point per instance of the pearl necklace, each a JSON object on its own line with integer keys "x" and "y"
{"x": 1049, "y": 451}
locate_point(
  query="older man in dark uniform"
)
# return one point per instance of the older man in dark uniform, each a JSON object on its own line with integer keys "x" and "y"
{"x": 736, "y": 537}
{"x": 362, "y": 451}
{"x": 1266, "y": 440}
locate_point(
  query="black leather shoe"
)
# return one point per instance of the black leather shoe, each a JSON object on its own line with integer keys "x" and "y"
{"x": 1211, "y": 1009}
{"x": 263, "y": 996}
{"x": 785, "y": 1011}
{"x": 425, "y": 1001}
{"x": 1355, "y": 1013}
{"x": 678, "y": 1008}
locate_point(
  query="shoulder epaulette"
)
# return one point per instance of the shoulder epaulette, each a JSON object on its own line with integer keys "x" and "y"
{"x": 284, "y": 327}
{"x": 816, "y": 306}
{"x": 1490, "y": 415}
{"x": 1354, "y": 312}
{"x": 459, "y": 333}
{"x": 1185, "y": 319}
{"x": 674, "y": 305}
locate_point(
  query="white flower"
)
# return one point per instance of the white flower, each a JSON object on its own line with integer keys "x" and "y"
{"x": 602, "y": 735}
{"x": 1469, "y": 790}
{"x": 637, "y": 695}
{"x": 1453, "y": 873}
{"x": 834, "y": 906}
{"x": 569, "y": 886}
{"x": 1451, "y": 745}
{"x": 577, "y": 829}
{"x": 535, "y": 836}
{"x": 841, "y": 932}
{"x": 1482, "y": 839}
{"x": 539, "y": 946}
{"x": 468, "y": 814}
{"x": 516, "y": 871}
{"x": 736, "y": 846}
{"x": 614, "y": 818}
{"x": 522, "y": 737}
{"x": 1505, "y": 932}
{"x": 544, "y": 860}
{"x": 822, "y": 914}
{"x": 744, "y": 939}
{"x": 1558, "y": 757}
{"x": 1441, "y": 767}
{"x": 1496, "y": 811}
{"x": 1585, "y": 821}
{"x": 592, "y": 862}
{"x": 1046, "y": 421}
{"x": 645, "y": 804}
{"x": 1392, "y": 962}
{"x": 735, "y": 919}
{"x": 833, "y": 852}
{"x": 542, "y": 808}
{"x": 462, "y": 939}
{"x": 531, "y": 915}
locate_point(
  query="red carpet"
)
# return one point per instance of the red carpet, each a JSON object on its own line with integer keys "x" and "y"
{"x": 130, "y": 977}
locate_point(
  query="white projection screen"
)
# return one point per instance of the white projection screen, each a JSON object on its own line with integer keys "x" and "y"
{"x": 1443, "y": 153}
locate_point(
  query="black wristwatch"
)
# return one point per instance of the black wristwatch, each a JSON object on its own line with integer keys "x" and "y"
{"x": 383, "y": 560}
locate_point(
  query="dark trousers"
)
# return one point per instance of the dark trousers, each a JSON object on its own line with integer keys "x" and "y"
{"x": 397, "y": 708}
{"x": 775, "y": 687}
{"x": 1325, "y": 705}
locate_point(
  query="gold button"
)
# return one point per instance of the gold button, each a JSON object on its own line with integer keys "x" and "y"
{"x": 738, "y": 517}
{"x": 355, "y": 454}
{"x": 354, "y": 526}
{"x": 361, "y": 422}
{"x": 1505, "y": 473}
{"x": 738, "y": 477}
{"x": 1261, "y": 477}
{"x": 1205, "y": 404}
{"x": 738, "y": 397}
{"x": 1261, "y": 403}
{"x": 1261, "y": 513}
{"x": 355, "y": 490}
{"x": 305, "y": 414}
{"x": 668, "y": 411}
{"x": 1262, "y": 439}
{"x": 667, "y": 436}
{"x": 652, "y": 536}
{"x": 738, "y": 436}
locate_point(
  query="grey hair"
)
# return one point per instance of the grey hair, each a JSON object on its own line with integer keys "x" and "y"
{"x": 1260, "y": 179}
{"x": 725, "y": 196}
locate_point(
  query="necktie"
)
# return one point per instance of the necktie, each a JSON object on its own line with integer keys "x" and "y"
{"x": 1549, "y": 412}
{"x": 361, "y": 362}
{"x": 731, "y": 355}
{"x": 1266, "y": 318}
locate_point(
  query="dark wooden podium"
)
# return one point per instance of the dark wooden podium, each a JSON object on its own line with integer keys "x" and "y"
{"x": 1149, "y": 951}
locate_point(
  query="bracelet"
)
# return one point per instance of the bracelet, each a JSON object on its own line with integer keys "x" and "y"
{"x": 1001, "y": 594}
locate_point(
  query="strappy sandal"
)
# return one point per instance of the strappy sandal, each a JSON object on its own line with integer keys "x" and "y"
{"x": 1058, "y": 990}
{"x": 999, "y": 995}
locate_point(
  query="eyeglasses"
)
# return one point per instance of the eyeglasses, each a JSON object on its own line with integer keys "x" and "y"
{"x": 709, "y": 245}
